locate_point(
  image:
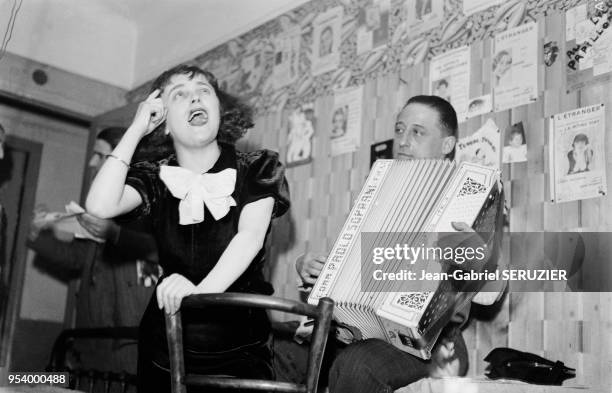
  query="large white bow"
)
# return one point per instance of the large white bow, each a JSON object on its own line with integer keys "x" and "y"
{"x": 196, "y": 190}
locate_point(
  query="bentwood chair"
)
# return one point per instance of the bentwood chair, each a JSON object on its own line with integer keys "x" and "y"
{"x": 322, "y": 315}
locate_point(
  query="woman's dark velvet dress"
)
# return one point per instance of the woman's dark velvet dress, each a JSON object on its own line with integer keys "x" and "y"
{"x": 217, "y": 341}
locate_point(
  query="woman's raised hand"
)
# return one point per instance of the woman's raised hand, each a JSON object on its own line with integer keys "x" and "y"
{"x": 150, "y": 114}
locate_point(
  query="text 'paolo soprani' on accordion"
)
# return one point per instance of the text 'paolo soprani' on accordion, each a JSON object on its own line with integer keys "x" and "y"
{"x": 411, "y": 200}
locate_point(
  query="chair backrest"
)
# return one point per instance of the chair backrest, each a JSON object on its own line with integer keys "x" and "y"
{"x": 87, "y": 379}
{"x": 322, "y": 315}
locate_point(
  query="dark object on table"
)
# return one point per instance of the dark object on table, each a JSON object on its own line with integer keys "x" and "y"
{"x": 527, "y": 367}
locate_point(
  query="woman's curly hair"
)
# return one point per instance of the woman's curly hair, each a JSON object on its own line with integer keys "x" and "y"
{"x": 236, "y": 117}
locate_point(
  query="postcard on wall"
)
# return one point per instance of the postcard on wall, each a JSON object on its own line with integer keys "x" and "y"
{"x": 345, "y": 135}
{"x": 482, "y": 147}
{"x": 515, "y": 148}
{"x": 514, "y": 71}
{"x": 373, "y": 22}
{"x": 577, "y": 154}
{"x": 473, "y": 6}
{"x": 588, "y": 46}
{"x": 286, "y": 57}
{"x": 449, "y": 78}
{"x": 423, "y": 15}
{"x": 301, "y": 124}
{"x": 326, "y": 36}
{"x": 479, "y": 106}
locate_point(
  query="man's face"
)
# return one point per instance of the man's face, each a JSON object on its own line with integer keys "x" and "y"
{"x": 101, "y": 149}
{"x": 193, "y": 110}
{"x": 418, "y": 134}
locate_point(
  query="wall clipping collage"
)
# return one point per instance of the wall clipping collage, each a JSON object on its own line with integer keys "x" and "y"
{"x": 331, "y": 49}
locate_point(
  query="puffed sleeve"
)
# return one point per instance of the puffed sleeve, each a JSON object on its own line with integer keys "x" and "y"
{"x": 143, "y": 177}
{"x": 266, "y": 178}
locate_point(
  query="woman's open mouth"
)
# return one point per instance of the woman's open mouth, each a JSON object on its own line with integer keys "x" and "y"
{"x": 198, "y": 117}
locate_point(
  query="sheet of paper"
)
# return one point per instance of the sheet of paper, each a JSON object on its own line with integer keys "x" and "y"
{"x": 449, "y": 78}
{"x": 327, "y": 33}
{"x": 482, "y": 147}
{"x": 577, "y": 154}
{"x": 345, "y": 136}
{"x": 514, "y": 71}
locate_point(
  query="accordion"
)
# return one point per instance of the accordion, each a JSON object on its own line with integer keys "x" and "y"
{"x": 411, "y": 200}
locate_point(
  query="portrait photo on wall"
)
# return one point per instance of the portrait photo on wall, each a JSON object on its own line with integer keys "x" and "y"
{"x": 339, "y": 122}
{"x": 327, "y": 32}
{"x": 515, "y": 146}
{"x": 373, "y": 22}
{"x": 301, "y": 124}
{"x": 577, "y": 145}
{"x": 441, "y": 88}
{"x": 345, "y": 136}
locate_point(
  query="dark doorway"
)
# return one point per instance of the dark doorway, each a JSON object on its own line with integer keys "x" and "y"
{"x": 19, "y": 179}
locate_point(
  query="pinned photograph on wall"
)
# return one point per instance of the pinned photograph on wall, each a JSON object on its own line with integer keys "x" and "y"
{"x": 286, "y": 57}
{"x": 148, "y": 273}
{"x": 326, "y": 36}
{"x": 514, "y": 73}
{"x": 423, "y": 15}
{"x": 588, "y": 44}
{"x": 479, "y": 106}
{"x": 482, "y": 147}
{"x": 449, "y": 76}
{"x": 381, "y": 151}
{"x": 551, "y": 52}
{"x": 373, "y": 22}
{"x": 515, "y": 148}
{"x": 473, "y": 6}
{"x": 577, "y": 154}
{"x": 301, "y": 124}
{"x": 345, "y": 134}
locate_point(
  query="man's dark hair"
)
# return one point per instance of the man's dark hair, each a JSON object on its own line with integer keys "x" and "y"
{"x": 447, "y": 116}
{"x": 236, "y": 117}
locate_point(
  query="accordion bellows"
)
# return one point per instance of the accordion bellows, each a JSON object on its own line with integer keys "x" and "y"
{"x": 408, "y": 199}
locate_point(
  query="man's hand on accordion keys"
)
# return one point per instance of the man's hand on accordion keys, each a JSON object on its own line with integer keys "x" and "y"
{"x": 309, "y": 267}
